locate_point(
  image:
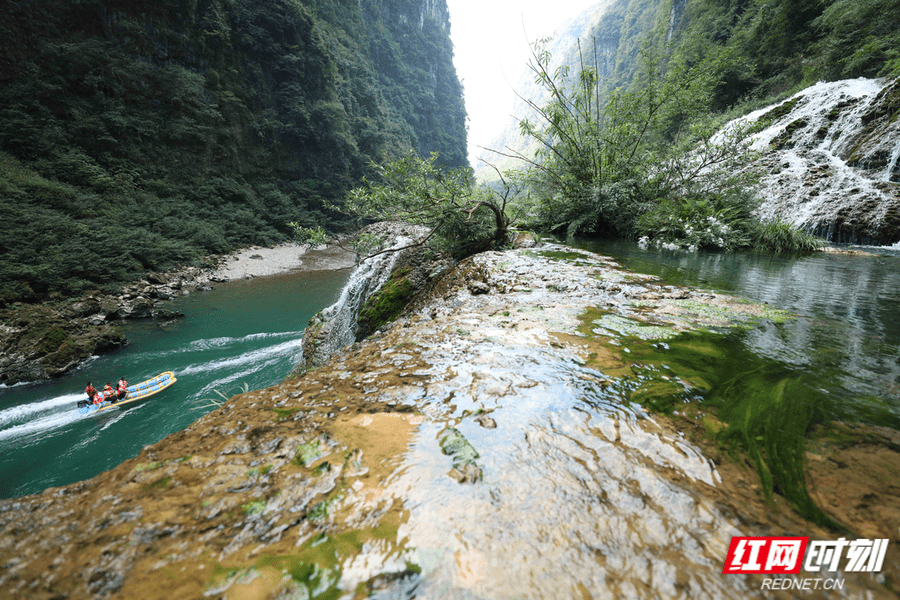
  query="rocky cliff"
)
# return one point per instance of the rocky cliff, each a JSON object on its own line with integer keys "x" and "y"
{"x": 481, "y": 446}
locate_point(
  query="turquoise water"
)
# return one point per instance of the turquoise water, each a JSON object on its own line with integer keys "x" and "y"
{"x": 244, "y": 332}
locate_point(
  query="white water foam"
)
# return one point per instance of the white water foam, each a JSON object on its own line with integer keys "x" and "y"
{"x": 341, "y": 317}
{"x": 53, "y": 420}
{"x": 27, "y": 412}
{"x": 262, "y": 354}
{"x": 222, "y": 342}
{"x": 219, "y": 343}
{"x": 221, "y": 385}
{"x": 808, "y": 180}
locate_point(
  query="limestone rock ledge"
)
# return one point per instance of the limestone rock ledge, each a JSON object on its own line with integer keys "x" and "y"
{"x": 465, "y": 451}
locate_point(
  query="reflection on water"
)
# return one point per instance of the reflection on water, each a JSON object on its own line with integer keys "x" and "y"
{"x": 847, "y": 334}
{"x": 579, "y": 491}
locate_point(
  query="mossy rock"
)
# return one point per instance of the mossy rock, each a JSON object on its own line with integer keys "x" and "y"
{"x": 779, "y": 111}
{"x": 66, "y": 355}
{"x": 386, "y": 305}
{"x": 44, "y": 338}
{"x": 464, "y": 455}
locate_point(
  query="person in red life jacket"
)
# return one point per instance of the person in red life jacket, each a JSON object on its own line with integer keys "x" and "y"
{"x": 98, "y": 398}
{"x": 90, "y": 391}
{"x": 121, "y": 390}
{"x": 108, "y": 392}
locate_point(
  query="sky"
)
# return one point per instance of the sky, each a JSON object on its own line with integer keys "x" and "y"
{"x": 490, "y": 46}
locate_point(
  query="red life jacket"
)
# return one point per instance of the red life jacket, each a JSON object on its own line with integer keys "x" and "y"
{"x": 123, "y": 387}
{"x": 90, "y": 391}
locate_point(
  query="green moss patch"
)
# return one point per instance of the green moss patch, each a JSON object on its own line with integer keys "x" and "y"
{"x": 282, "y": 414}
{"x": 615, "y": 325}
{"x": 308, "y": 453}
{"x": 150, "y": 466}
{"x": 160, "y": 484}
{"x": 779, "y": 111}
{"x": 464, "y": 455}
{"x": 386, "y": 305}
{"x": 252, "y": 508}
{"x": 317, "y": 565}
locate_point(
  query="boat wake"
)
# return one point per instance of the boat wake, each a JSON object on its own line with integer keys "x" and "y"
{"x": 27, "y": 419}
{"x": 260, "y": 357}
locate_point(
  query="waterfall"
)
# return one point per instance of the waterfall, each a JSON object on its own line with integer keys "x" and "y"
{"x": 829, "y": 159}
{"x": 892, "y": 165}
{"x": 336, "y": 326}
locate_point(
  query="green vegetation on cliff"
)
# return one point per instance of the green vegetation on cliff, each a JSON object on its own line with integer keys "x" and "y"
{"x": 137, "y": 136}
{"x": 627, "y": 100}
{"x": 627, "y": 120}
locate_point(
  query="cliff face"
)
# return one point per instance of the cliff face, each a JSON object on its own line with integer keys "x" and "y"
{"x": 479, "y": 447}
{"x": 410, "y": 48}
{"x": 202, "y": 125}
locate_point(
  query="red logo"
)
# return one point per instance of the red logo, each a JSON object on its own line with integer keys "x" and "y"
{"x": 768, "y": 555}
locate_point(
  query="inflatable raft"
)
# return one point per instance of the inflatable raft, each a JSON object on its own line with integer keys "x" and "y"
{"x": 136, "y": 392}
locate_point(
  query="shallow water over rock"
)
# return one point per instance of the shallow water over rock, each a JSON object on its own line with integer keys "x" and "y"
{"x": 483, "y": 446}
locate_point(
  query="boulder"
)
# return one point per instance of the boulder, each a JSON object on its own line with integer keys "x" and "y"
{"x": 157, "y": 278}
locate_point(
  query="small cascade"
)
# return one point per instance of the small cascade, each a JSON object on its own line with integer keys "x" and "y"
{"x": 829, "y": 158}
{"x": 892, "y": 172}
{"x": 336, "y": 326}
{"x": 367, "y": 279}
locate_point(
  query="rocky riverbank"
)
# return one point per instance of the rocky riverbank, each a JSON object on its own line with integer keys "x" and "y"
{"x": 479, "y": 446}
{"x": 46, "y": 340}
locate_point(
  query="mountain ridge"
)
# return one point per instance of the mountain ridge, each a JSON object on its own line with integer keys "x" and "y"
{"x": 202, "y": 126}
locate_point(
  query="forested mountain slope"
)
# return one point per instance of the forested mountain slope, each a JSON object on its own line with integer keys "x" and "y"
{"x": 776, "y": 47}
{"x": 134, "y": 135}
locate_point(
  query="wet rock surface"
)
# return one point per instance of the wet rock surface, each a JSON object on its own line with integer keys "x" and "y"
{"x": 378, "y": 289}
{"x": 474, "y": 448}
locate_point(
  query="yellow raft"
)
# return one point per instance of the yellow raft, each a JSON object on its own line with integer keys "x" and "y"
{"x": 140, "y": 391}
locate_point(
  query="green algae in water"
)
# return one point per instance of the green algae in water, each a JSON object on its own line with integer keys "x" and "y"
{"x": 458, "y": 447}
{"x": 317, "y": 564}
{"x": 612, "y": 325}
{"x": 705, "y": 315}
{"x": 577, "y": 258}
{"x": 754, "y": 313}
{"x": 762, "y": 407}
{"x": 767, "y": 406}
{"x": 464, "y": 455}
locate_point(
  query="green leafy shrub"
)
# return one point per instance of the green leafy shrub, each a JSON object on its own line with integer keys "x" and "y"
{"x": 713, "y": 224}
{"x": 780, "y": 236}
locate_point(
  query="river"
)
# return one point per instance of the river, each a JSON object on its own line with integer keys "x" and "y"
{"x": 846, "y": 334}
{"x": 846, "y": 338}
{"x": 241, "y": 333}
